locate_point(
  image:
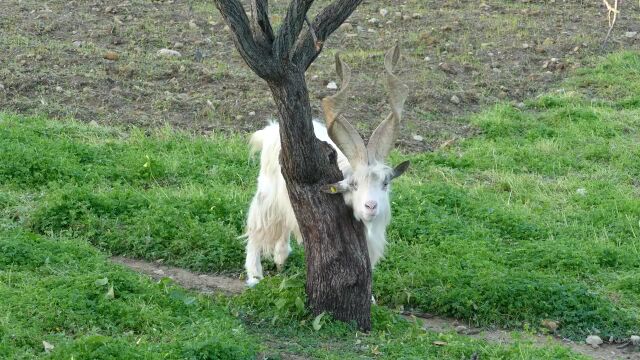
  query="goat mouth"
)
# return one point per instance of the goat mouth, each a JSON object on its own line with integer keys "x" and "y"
{"x": 368, "y": 217}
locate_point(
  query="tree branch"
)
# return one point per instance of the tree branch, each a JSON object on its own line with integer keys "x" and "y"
{"x": 290, "y": 28}
{"x": 261, "y": 26}
{"x": 258, "y": 57}
{"x": 328, "y": 20}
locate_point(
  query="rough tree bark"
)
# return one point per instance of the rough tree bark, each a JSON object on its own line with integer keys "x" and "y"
{"x": 338, "y": 268}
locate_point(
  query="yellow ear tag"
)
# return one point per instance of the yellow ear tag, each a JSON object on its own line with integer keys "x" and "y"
{"x": 333, "y": 190}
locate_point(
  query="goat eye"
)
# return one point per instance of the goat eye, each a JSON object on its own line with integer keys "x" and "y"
{"x": 385, "y": 184}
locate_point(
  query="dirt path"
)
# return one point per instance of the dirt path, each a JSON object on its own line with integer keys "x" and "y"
{"x": 208, "y": 284}
{"x": 441, "y": 324}
{"x": 203, "y": 283}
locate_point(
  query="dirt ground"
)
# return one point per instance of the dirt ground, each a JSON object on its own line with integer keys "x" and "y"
{"x": 209, "y": 284}
{"x": 98, "y": 60}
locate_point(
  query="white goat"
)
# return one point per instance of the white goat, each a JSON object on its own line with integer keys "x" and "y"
{"x": 365, "y": 187}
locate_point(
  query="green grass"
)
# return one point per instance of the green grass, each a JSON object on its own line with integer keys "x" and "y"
{"x": 536, "y": 218}
{"x": 66, "y": 293}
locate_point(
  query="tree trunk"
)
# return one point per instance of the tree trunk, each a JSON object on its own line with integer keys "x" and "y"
{"x": 338, "y": 267}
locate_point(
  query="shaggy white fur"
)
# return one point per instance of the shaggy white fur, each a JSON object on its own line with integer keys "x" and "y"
{"x": 271, "y": 220}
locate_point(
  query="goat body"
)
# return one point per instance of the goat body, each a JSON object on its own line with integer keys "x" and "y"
{"x": 271, "y": 219}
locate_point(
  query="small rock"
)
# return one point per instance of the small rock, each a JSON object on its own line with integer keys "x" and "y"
{"x": 461, "y": 329}
{"x": 447, "y": 68}
{"x": 192, "y": 24}
{"x": 332, "y": 85}
{"x": 635, "y": 340}
{"x": 47, "y": 347}
{"x": 108, "y": 9}
{"x": 373, "y": 21}
{"x": 496, "y": 70}
{"x": 485, "y": 7}
{"x": 371, "y": 30}
{"x": 168, "y": 52}
{"x": 111, "y": 55}
{"x": 520, "y": 105}
{"x": 416, "y": 16}
{"x": 158, "y": 272}
{"x": 406, "y": 17}
{"x": 314, "y": 77}
{"x": 346, "y": 27}
{"x": 239, "y": 117}
{"x": 454, "y": 99}
{"x": 594, "y": 340}
{"x": 426, "y": 58}
{"x": 398, "y": 14}
{"x": 550, "y": 324}
{"x": 540, "y": 49}
{"x": 58, "y": 88}
{"x": 178, "y": 45}
{"x": 252, "y": 113}
{"x": 525, "y": 46}
{"x": 78, "y": 43}
{"x": 581, "y": 191}
{"x": 383, "y": 12}
{"x": 631, "y": 34}
{"x": 226, "y": 28}
{"x": 360, "y": 28}
{"x": 1, "y": 87}
{"x": 417, "y": 137}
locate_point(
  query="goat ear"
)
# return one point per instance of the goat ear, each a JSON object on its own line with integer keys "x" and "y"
{"x": 400, "y": 169}
{"x": 335, "y": 188}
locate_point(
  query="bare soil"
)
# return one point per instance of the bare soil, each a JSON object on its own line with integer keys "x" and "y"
{"x": 98, "y": 61}
{"x": 204, "y": 283}
{"x": 209, "y": 284}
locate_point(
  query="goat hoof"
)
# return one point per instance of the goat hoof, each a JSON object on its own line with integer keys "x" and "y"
{"x": 373, "y": 300}
{"x": 251, "y": 282}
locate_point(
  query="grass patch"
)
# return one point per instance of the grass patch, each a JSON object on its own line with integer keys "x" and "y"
{"x": 64, "y": 292}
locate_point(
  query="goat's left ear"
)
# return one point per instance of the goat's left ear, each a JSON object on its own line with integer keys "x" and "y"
{"x": 337, "y": 188}
{"x": 400, "y": 169}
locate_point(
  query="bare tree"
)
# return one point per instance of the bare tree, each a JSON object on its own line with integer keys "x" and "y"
{"x": 338, "y": 268}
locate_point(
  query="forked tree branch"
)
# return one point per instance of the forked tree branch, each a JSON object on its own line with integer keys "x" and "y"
{"x": 261, "y": 26}
{"x": 328, "y": 20}
{"x": 255, "y": 54}
{"x": 291, "y": 27}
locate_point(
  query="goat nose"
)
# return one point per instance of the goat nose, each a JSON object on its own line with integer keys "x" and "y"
{"x": 371, "y": 205}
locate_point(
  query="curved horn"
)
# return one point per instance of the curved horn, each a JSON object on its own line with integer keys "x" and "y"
{"x": 343, "y": 134}
{"x": 386, "y": 134}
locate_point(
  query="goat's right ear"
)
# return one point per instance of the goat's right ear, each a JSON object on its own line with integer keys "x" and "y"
{"x": 400, "y": 169}
{"x": 336, "y": 188}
